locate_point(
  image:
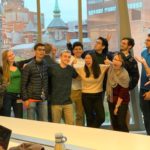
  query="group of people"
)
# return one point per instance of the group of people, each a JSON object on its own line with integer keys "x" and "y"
{"x": 48, "y": 88}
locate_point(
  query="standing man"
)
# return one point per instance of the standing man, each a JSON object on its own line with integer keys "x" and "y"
{"x": 130, "y": 63}
{"x": 145, "y": 104}
{"x": 35, "y": 85}
{"x": 76, "y": 91}
{"x": 61, "y": 80}
{"x": 100, "y": 49}
{"x": 49, "y": 60}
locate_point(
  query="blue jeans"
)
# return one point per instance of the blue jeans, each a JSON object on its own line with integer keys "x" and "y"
{"x": 10, "y": 100}
{"x": 145, "y": 107}
{"x": 38, "y": 110}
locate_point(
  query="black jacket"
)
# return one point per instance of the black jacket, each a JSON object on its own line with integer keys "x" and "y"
{"x": 132, "y": 67}
{"x": 34, "y": 79}
{"x": 49, "y": 60}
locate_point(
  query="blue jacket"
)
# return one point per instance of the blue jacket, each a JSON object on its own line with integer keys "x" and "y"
{"x": 145, "y": 54}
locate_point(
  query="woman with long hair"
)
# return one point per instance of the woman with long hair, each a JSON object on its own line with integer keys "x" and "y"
{"x": 2, "y": 91}
{"x": 11, "y": 77}
{"x": 118, "y": 93}
{"x": 92, "y": 76}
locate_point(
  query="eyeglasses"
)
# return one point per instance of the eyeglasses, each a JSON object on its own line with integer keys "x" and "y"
{"x": 117, "y": 60}
{"x": 40, "y": 49}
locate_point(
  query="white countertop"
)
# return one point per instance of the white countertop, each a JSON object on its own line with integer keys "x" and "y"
{"x": 98, "y": 139}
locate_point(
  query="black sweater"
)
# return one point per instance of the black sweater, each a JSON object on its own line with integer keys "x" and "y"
{"x": 132, "y": 67}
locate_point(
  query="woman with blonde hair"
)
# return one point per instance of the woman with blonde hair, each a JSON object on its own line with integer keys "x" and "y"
{"x": 11, "y": 77}
{"x": 2, "y": 91}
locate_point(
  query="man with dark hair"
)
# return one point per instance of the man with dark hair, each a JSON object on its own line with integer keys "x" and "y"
{"x": 145, "y": 104}
{"x": 76, "y": 89}
{"x": 130, "y": 41}
{"x": 38, "y": 45}
{"x": 100, "y": 49}
{"x": 75, "y": 44}
{"x": 35, "y": 85}
{"x": 130, "y": 63}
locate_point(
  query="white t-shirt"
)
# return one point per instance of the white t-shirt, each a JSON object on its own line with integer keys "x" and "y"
{"x": 76, "y": 83}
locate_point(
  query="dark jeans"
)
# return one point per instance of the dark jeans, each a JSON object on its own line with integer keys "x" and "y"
{"x": 1, "y": 104}
{"x": 119, "y": 121}
{"x": 10, "y": 100}
{"x": 93, "y": 103}
{"x": 145, "y": 107}
{"x": 49, "y": 109}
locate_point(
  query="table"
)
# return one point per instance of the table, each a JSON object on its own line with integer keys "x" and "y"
{"x": 82, "y": 137}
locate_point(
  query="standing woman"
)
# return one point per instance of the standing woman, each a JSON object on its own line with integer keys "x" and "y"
{"x": 2, "y": 91}
{"x": 12, "y": 77}
{"x": 92, "y": 76}
{"x": 118, "y": 93}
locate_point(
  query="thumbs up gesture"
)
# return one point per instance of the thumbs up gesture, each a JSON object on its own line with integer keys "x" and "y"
{"x": 107, "y": 61}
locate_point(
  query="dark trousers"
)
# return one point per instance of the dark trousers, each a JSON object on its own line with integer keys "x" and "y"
{"x": 10, "y": 100}
{"x": 49, "y": 110}
{"x": 1, "y": 104}
{"x": 119, "y": 121}
{"x": 145, "y": 107}
{"x": 93, "y": 103}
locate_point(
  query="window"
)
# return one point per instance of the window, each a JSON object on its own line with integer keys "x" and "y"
{"x": 19, "y": 28}
{"x": 95, "y": 1}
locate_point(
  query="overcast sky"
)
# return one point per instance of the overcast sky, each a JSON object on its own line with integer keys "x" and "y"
{"x": 69, "y": 9}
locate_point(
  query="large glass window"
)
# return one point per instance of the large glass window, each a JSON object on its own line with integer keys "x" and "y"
{"x": 59, "y": 20}
{"x": 19, "y": 26}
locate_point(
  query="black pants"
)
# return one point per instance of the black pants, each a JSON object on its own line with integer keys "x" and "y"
{"x": 119, "y": 121}
{"x": 1, "y": 104}
{"x": 145, "y": 107}
{"x": 93, "y": 103}
{"x": 10, "y": 100}
{"x": 49, "y": 110}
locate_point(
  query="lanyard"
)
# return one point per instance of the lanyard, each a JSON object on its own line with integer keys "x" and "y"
{"x": 41, "y": 73}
